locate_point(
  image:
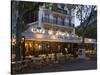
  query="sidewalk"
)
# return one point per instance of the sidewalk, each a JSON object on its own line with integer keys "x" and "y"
{"x": 77, "y": 64}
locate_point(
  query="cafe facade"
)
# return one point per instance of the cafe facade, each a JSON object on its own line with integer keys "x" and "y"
{"x": 52, "y": 34}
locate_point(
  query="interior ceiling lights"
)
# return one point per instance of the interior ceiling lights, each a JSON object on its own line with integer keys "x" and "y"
{"x": 50, "y": 32}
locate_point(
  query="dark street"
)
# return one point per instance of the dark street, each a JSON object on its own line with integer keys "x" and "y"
{"x": 72, "y": 66}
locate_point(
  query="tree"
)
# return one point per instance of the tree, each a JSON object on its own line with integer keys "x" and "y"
{"x": 84, "y": 13}
{"x": 22, "y": 8}
{"x": 91, "y": 29}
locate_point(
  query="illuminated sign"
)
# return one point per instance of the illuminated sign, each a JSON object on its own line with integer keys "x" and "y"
{"x": 38, "y": 35}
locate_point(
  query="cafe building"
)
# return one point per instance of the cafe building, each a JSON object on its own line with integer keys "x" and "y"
{"x": 53, "y": 34}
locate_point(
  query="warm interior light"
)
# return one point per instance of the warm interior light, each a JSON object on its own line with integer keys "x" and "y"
{"x": 57, "y": 33}
{"x": 39, "y": 46}
{"x": 50, "y": 32}
{"x": 23, "y": 39}
{"x": 67, "y": 34}
{"x": 13, "y": 44}
{"x": 77, "y": 36}
{"x": 90, "y": 40}
{"x": 30, "y": 45}
{"x": 36, "y": 44}
{"x": 26, "y": 44}
{"x": 48, "y": 46}
{"x": 53, "y": 37}
{"x": 63, "y": 34}
{"x": 38, "y": 35}
{"x": 66, "y": 49}
{"x": 13, "y": 40}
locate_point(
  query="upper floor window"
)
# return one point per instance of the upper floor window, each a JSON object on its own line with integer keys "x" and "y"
{"x": 62, "y": 6}
{"x": 60, "y": 21}
{"x": 55, "y": 19}
{"x": 47, "y": 15}
{"x": 62, "y": 9}
{"x": 63, "y": 21}
{"x": 46, "y": 18}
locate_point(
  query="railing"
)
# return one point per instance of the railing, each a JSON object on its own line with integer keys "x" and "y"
{"x": 60, "y": 11}
{"x": 58, "y": 22}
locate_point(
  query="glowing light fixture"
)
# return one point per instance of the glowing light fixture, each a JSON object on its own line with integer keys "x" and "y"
{"x": 23, "y": 38}
{"x": 39, "y": 46}
{"x": 57, "y": 33}
{"x": 30, "y": 45}
{"x": 13, "y": 40}
{"x": 26, "y": 44}
{"x": 67, "y": 34}
{"x": 90, "y": 40}
{"x": 50, "y": 32}
{"x": 13, "y": 44}
{"x": 36, "y": 44}
{"x": 63, "y": 34}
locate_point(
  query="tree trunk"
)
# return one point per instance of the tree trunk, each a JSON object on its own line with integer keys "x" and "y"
{"x": 18, "y": 34}
{"x": 23, "y": 49}
{"x": 18, "y": 40}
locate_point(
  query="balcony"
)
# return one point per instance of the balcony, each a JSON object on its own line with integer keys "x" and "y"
{"x": 57, "y": 22}
{"x": 58, "y": 13}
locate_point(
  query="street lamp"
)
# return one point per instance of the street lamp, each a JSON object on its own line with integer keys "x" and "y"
{"x": 23, "y": 46}
{"x": 23, "y": 38}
